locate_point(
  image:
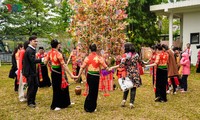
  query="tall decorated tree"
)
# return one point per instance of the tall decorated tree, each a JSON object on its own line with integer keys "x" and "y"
{"x": 101, "y": 22}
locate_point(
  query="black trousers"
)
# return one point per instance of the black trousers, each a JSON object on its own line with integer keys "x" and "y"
{"x": 16, "y": 85}
{"x": 198, "y": 68}
{"x": 132, "y": 95}
{"x": 184, "y": 82}
{"x": 32, "y": 89}
{"x": 161, "y": 82}
{"x": 77, "y": 71}
{"x": 173, "y": 84}
{"x": 91, "y": 99}
{"x": 153, "y": 76}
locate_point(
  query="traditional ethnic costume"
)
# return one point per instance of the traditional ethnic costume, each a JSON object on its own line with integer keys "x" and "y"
{"x": 178, "y": 58}
{"x": 172, "y": 71}
{"x": 16, "y": 83}
{"x": 21, "y": 78}
{"x": 120, "y": 71}
{"x": 79, "y": 60}
{"x": 43, "y": 76}
{"x": 74, "y": 63}
{"x": 153, "y": 70}
{"x": 106, "y": 79}
{"x": 93, "y": 61}
{"x": 161, "y": 76}
{"x": 61, "y": 96}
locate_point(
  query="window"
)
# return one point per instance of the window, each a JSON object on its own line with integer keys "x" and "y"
{"x": 194, "y": 38}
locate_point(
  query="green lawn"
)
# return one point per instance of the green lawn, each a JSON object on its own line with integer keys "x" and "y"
{"x": 183, "y": 106}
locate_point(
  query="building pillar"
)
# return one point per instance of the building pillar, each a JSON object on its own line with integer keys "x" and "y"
{"x": 181, "y": 31}
{"x": 170, "y": 30}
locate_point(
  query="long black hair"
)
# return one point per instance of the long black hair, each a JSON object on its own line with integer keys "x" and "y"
{"x": 154, "y": 47}
{"x": 15, "y": 51}
{"x": 128, "y": 47}
{"x": 54, "y": 43}
{"x": 165, "y": 47}
{"x": 26, "y": 44}
{"x": 159, "y": 47}
{"x": 93, "y": 47}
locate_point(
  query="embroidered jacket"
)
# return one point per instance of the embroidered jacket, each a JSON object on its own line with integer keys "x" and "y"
{"x": 161, "y": 59}
{"x": 93, "y": 61}
{"x": 153, "y": 58}
{"x": 38, "y": 55}
{"x": 56, "y": 57}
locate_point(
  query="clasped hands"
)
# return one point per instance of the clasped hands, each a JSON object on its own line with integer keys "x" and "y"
{"x": 76, "y": 77}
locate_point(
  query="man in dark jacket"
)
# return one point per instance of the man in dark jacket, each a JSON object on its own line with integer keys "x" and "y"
{"x": 29, "y": 71}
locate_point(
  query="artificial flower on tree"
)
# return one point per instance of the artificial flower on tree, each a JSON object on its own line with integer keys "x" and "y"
{"x": 101, "y": 22}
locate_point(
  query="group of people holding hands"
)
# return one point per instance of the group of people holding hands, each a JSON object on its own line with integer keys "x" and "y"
{"x": 163, "y": 61}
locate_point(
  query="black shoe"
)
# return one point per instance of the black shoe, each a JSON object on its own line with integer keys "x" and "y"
{"x": 16, "y": 89}
{"x": 32, "y": 105}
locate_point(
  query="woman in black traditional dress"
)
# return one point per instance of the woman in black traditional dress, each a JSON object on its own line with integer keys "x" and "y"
{"x": 43, "y": 76}
{"x": 61, "y": 98}
{"x": 161, "y": 74}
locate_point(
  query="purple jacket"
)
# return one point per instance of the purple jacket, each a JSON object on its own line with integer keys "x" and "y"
{"x": 185, "y": 62}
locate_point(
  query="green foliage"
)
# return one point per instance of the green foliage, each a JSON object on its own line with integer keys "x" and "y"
{"x": 165, "y": 25}
{"x": 142, "y": 29}
{"x": 41, "y": 17}
{"x": 64, "y": 13}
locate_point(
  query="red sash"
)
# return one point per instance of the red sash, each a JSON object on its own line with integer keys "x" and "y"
{"x": 38, "y": 55}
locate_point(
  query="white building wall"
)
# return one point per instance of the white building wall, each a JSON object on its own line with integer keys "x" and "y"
{"x": 191, "y": 24}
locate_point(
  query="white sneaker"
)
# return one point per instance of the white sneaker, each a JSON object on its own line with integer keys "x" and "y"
{"x": 72, "y": 103}
{"x": 123, "y": 103}
{"x": 131, "y": 106}
{"x": 57, "y": 108}
{"x": 183, "y": 91}
{"x": 23, "y": 100}
{"x": 170, "y": 88}
{"x": 168, "y": 91}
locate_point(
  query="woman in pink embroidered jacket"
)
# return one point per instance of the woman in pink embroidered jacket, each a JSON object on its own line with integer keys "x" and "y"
{"x": 185, "y": 62}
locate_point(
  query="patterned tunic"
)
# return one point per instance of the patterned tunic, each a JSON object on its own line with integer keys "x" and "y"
{"x": 152, "y": 60}
{"x": 74, "y": 63}
{"x": 55, "y": 57}
{"x": 93, "y": 61}
{"x": 161, "y": 59}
